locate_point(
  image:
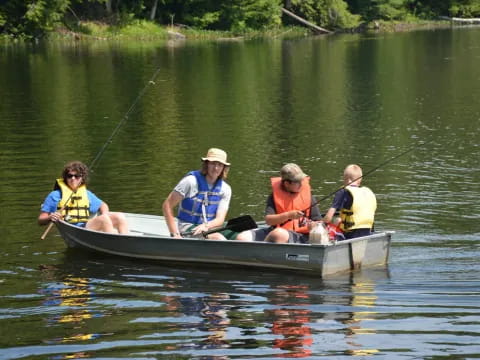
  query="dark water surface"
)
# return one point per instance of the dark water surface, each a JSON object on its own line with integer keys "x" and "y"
{"x": 321, "y": 102}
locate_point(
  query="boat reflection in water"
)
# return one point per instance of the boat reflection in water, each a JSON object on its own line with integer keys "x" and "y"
{"x": 200, "y": 319}
{"x": 363, "y": 296}
{"x": 309, "y": 317}
{"x": 207, "y": 312}
{"x": 71, "y": 296}
{"x": 291, "y": 324}
{"x": 212, "y": 316}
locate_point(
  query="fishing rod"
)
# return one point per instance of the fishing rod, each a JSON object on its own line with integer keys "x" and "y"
{"x": 368, "y": 173}
{"x": 110, "y": 139}
{"x": 124, "y": 119}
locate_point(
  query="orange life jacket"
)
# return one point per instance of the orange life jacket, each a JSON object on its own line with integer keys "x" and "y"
{"x": 286, "y": 201}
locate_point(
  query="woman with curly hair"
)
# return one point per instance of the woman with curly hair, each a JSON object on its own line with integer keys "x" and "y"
{"x": 71, "y": 201}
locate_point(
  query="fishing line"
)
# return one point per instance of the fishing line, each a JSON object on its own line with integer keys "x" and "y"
{"x": 369, "y": 172}
{"x": 123, "y": 120}
{"x": 110, "y": 139}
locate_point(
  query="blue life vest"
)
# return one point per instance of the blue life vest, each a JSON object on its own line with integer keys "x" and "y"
{"x": 190, "y": 209}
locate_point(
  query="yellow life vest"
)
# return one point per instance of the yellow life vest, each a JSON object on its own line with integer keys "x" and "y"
{"x": 361, "y": 214}
{"x": 77, "y": 209}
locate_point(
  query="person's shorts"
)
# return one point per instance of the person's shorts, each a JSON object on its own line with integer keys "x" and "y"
{"x": 293, "y": 237}
{"x": 185, "y": 229}
{"x": 297, "y": 238}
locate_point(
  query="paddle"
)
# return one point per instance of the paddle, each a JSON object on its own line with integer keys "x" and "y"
{"x": 238, "y": 224}
{"x": 45, "y": 233}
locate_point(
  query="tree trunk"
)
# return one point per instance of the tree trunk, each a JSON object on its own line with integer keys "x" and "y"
{"x": 308, "y": 23}
{"x": 153, "y": 13}
{"x": 108, "y": 6}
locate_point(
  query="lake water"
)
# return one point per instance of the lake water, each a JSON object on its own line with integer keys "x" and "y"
{"x": 322, "y": 102}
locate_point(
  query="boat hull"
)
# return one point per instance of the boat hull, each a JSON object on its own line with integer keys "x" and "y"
{"x": 148, "y": 239}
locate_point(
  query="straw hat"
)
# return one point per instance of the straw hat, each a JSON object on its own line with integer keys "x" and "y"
{"x": 292, "y": 172}
{"x": 215, "y": 154}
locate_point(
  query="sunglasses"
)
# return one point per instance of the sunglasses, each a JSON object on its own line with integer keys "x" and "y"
{"x": 76, "y": 176}
{"x": 293, "y": 182}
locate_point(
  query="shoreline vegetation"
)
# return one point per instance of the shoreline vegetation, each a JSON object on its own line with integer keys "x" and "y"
{"x": 231, "y": 20}
{"x": 149, "y": 31}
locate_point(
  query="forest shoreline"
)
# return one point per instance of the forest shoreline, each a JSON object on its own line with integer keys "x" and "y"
{"x": 149, "y": 31}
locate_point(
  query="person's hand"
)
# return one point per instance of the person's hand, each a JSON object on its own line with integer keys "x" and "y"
{"x": 55, "y": 216}
{"x": 336, "y": 221}
{"x": 200, "y": 229}
{"x": 295, "y": 214}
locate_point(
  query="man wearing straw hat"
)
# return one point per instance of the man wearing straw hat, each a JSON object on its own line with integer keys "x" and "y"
{"x": 203, "y": 198}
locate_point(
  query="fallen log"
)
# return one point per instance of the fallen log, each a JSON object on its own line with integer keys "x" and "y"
{"x": 462, "y": 20}
{"x": 308, "y": 23}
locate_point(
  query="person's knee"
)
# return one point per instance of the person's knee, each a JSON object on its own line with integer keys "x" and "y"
{"x": 216, "y": 236}
{"x": 118, "y": 217}
{"x": 100, "y": 222}
{"x": 279, "y": 236}
{"x": 245, "y": 236}
{"x": 119, "y": 221}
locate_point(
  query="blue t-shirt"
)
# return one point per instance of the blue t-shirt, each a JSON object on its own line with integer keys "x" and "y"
{"x": 343, "y": 200}
{"x": 51, "y": 202}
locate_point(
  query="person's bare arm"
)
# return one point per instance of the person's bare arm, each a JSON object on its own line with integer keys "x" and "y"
{"x": 45, "y": 217}
{"x": 104, "y": 209}
{"x": 329, "y": 215}
{"x": 275, "y": 219}
{"x": 218, "y": 221}
{"x": 168, "y": 207}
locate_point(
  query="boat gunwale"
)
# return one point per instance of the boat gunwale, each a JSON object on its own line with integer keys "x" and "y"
{"x": 261, "y": 243}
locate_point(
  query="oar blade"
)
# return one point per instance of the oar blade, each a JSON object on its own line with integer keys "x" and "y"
{"x": 241, "y": 223}
{"x": 238, "y": 224}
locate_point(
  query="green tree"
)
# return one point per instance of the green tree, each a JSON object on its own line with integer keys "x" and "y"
{"x": 328, "y": 13}
{"x": 383, "y": 9}
{"x": 435, "y": 8}
{"x": 389, "y": 9}
{"x": 465, "y": 8}
{"x": 31, "y": 17}
{"x": 241, "y": 15}
{"x": 233, "y": 15}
